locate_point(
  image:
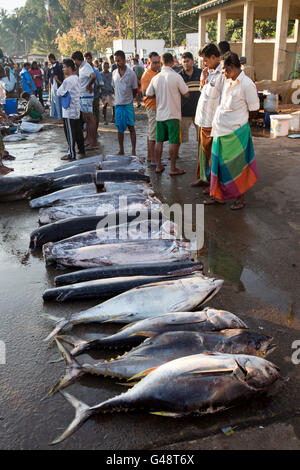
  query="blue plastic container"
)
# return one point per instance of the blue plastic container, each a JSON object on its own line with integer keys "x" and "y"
{"x": 10, "y": 106}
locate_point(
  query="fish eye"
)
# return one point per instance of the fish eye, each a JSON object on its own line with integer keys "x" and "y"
{"x": 257, "y": 345}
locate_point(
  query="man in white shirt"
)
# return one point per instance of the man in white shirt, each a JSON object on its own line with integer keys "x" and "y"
{"x": 71, "y": 113}
{"x": 125, "y": 85}
{"x": 168, "y": 86}
{"x": 212, "y": 81}
{"x": 87, "y": 78}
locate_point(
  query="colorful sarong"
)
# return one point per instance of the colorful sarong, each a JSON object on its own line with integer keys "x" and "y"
{"x": 233, "y": 166}
{"x": 124, "y": 116}
{"x": 204, "y": 154}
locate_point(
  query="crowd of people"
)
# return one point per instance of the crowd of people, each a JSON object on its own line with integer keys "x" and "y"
{"x": 216, "y": 99}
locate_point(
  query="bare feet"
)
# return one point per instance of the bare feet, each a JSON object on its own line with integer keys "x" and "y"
{"x": 121, "y": 152}
{"x": 4, "y": 170}
{"x": 159, "y": 169}
{"x": 7, "y": 156}
{"x": 198, "y": 183}
{"x": 177, "y": 171}
{"x": 212, "y": 200}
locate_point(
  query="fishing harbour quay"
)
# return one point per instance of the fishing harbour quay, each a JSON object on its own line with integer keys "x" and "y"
{"x": 254, "y": 253}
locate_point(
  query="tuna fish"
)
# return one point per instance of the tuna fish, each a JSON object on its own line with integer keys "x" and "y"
{"x": 73, "y": 170}
{"x": 103, "y": 288}
{"x": 208, "y": 320}
{"x": 139, "y": 251}
{"x": 75, "y": 225}
{"x": 82, "y": 161}
{"x": 105, "y": 272}
{"x": 13, "y": 188}
{"x": 147, "y": 301}
{"x": 63, "y": 194}
{"x": 103, "y": 198}
{"x": 118, "y": 175}
{"x": 197, "y": 384}
{"x": 47, "y": 215}
{"x": 72, "y": 180}
{"x": 114, "y": 234}
{"x": 154, "y": 352}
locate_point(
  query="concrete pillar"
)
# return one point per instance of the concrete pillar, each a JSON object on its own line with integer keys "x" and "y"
{"x": 297, "y": 36}
{"x": 283, "y": 9}
{"x": 201, "y": 35}
{"x": 248, "y": 32}
{"x": 201, "y": 31}
{"x": 221, "y": 31}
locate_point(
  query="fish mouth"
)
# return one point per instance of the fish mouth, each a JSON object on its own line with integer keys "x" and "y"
{"x": 218, "y": 284}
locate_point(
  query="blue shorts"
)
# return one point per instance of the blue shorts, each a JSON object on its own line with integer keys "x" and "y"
{"x": 124, "y": 116}
{"x": 86, "y": 104}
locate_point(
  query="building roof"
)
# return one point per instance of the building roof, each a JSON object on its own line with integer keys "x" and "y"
{"x": 203, "y": 6}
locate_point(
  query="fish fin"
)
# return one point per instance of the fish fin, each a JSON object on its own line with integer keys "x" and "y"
{"x": 119, "y": 317}
{"x": 73, "y": 370}
{"x": 60, "y": 324}
{"x": 142, "y": 374}
{"x": 166, "y": 414}
{"x": 131, "y": 384}
{"x": 147, "y": 334}
{"x": 78, "y": 345}
{"x": 82, "y": 413}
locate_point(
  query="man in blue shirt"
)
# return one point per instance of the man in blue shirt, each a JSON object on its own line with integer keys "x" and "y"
{"x": 27, "y": 82}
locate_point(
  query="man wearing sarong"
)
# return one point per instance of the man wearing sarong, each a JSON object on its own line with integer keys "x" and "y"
{"x": 233, "y": 166}
{"x": 125, "y": 85}
{"x": 211, "y": 88}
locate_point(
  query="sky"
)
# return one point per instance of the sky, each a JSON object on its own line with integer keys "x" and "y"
{"x": 10, "y": 5}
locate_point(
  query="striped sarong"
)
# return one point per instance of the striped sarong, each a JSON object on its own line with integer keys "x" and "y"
{"x": 233, "y": 166}
{"x": 204, "y": 154}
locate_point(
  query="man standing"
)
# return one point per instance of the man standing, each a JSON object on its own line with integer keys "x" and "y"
{"x": 27, "y": 82}
{"x": 211, "y": 88}
{"x": 71, "y": 110}
{"x": 113, "y": 65}
{"x": 138, "y": 70}
{"x": 191, "y": 75}
{"x": 98, "y": 83}
{"x": 56, "y": 78}
{"x": 125, "y": 84}
{"x": 168, "y": 86}
{"x": 87, "y": 79}
{"x": 150, "y": 103}
{"x": 107, "y": 92}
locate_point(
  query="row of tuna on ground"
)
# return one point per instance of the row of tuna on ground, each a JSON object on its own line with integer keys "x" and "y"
{"x": 177, "y": 357}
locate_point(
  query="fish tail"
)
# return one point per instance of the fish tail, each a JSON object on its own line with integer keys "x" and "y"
{"x": 73, "y": 370}
{"x": 60, "y": 324}
{"x": 78, "y": 345}
{"x": 82, "y": 413}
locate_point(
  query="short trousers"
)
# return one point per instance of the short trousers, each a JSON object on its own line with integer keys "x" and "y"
{"x": 168, "y": 131}
{"x": 186, "y": 123}
{"x": 151, "y": 113}
{"x": 86, "y": 104}
{"x": 124, "y": 117}
{"x": 108, "y": 100}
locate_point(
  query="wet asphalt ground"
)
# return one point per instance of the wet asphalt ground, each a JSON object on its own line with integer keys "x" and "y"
{"x": 256, "y": 252}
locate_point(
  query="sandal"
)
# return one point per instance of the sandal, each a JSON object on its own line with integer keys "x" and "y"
{"x": 237, "y": 206}
{"x": 209, "y": 202}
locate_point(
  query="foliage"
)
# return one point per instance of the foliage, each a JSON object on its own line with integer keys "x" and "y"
{"x": 93, "y": 24}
